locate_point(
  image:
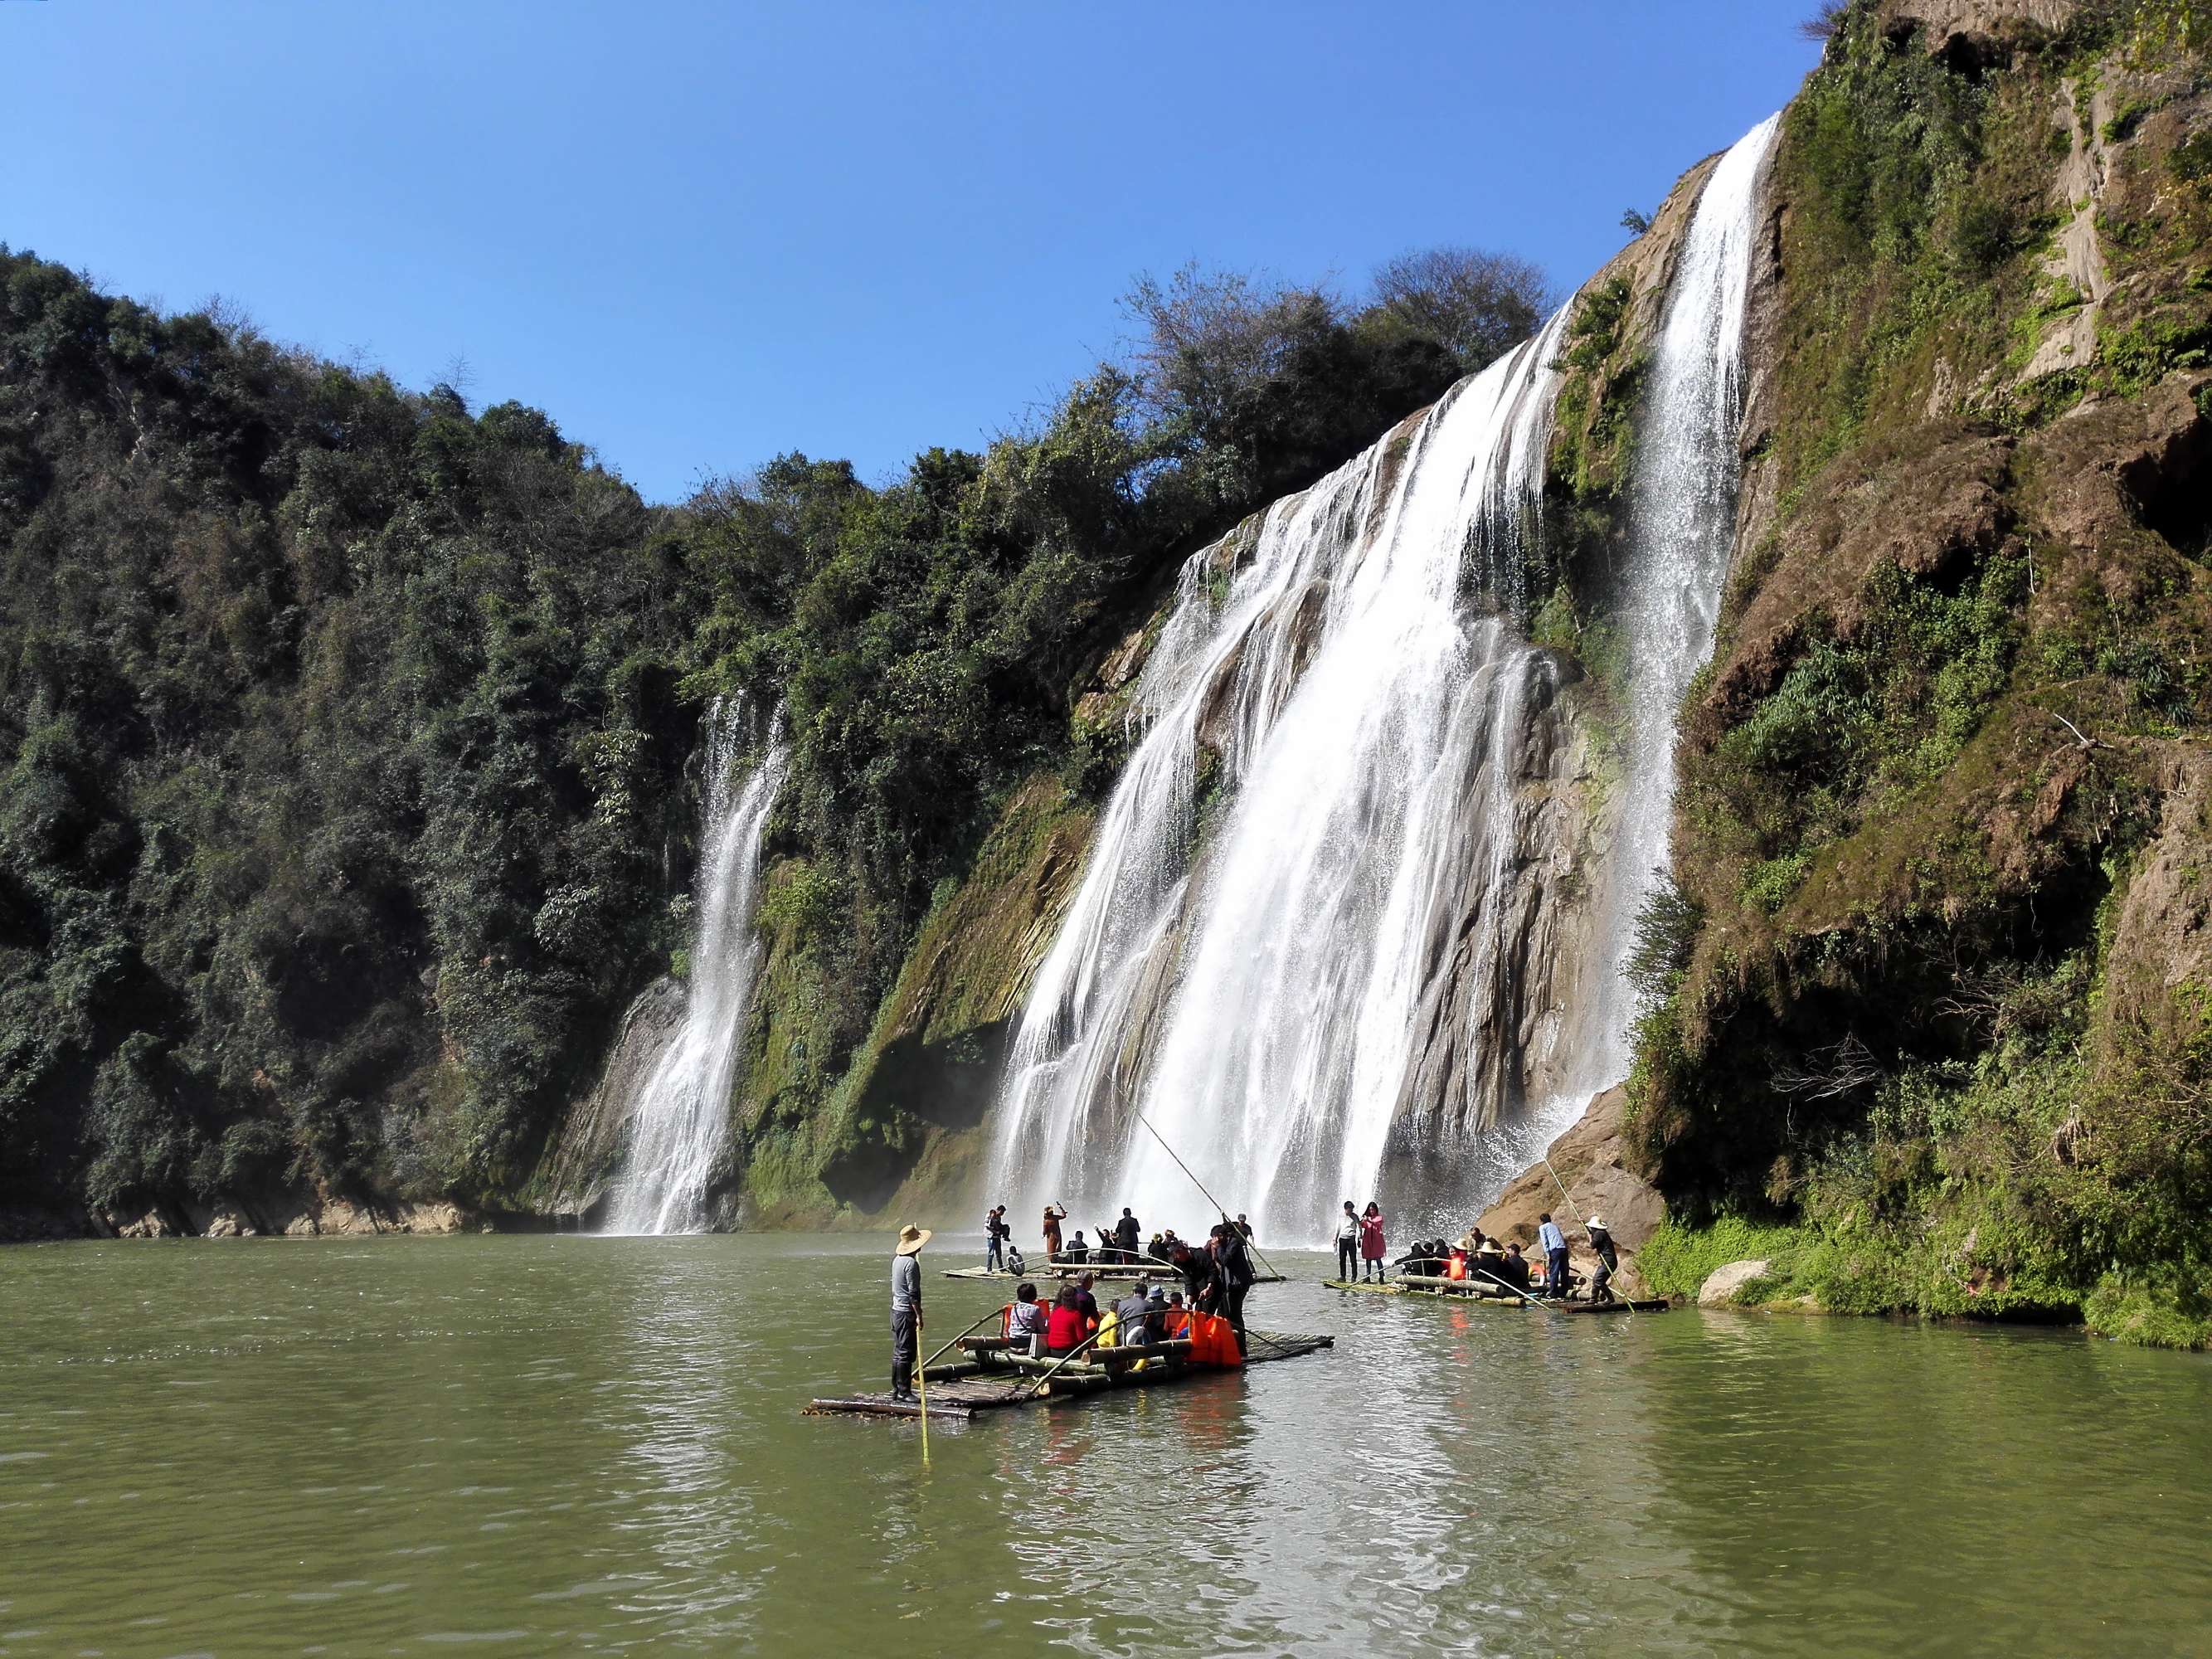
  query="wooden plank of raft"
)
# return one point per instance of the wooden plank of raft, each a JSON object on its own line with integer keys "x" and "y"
{"x": 865, "y": 1405}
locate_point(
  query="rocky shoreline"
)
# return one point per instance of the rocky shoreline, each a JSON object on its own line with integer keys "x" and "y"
{"x": 286, "y": 1216}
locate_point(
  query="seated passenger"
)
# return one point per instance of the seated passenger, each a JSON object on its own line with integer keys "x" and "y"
{"x": 1177, "y": 1322}
{"x": 1135, "y": 1312}
{"x": 1482, "y": 1267}
{"x": 1514, "y": 1269}
{"x": 1064, "y": 1325}
{"x": 1027, "y": 1321}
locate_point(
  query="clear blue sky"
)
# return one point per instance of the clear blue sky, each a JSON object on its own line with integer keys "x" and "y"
{"x": 702, "y": 235}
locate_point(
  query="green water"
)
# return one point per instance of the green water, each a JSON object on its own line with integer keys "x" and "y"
{"x": 573, "y": 1445}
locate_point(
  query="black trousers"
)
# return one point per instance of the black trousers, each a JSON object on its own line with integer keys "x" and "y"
{"x": 1558, "y": 1280}
{"x": 1232, "y": 1309}
{"x": 1347, "y": 1257}
{"x": 905, "y": 1340}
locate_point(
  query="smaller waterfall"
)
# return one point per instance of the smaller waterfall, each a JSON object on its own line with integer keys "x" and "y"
{"x": 681, "y": 1119}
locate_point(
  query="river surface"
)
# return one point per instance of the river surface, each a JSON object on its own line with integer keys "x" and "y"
{"x": 537, "y": 1445}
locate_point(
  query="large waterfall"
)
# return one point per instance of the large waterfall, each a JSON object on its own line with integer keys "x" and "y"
{"x": 1337, "y": 929}
{"x": 681, "y": 1118}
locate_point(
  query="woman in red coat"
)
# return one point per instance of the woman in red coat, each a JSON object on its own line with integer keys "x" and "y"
{"x": 1064, "y": 1327}
{"x": 1372, "y": 1248}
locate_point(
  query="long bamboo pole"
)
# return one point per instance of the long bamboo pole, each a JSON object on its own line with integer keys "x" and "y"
{"x": 924, "y": 1380}
{"x": 1071, "y": 1354}
{"x": 995, "y": 1313}
{"x": 1201, "y": 1185}
{"x": 1568, "y": 1199}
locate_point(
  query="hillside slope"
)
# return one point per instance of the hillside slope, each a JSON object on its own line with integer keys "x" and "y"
{"x": 1932, "y": 1028}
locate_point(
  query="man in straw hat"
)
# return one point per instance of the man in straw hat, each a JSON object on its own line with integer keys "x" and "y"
{"x": 906, "y": 1309}
{"x": 1608, "y": 1259}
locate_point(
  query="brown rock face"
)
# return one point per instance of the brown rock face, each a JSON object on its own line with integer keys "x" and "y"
{"x": 594, "y": 1134}
{"x": 1587, "y": 1160}
{"x": 1975, "y": 27}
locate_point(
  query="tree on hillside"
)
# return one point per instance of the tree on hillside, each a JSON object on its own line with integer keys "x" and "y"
{"x": 1212, "y": 336}
{"x": 1479, "y": 304}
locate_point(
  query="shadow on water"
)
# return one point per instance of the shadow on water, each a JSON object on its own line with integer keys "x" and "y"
{"x": 578, "y": 1445}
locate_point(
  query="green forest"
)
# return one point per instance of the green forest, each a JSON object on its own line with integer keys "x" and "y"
{"x": 352, "y": 732}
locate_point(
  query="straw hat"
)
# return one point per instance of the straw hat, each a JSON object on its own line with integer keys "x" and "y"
{"x": 1488, "y": 1247}
{"x": 911, "y": 1239}
{"x": 1596, "y": 1223}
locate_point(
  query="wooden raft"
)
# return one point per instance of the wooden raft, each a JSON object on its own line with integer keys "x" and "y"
{"x": 1459, "y": 1291}
{"x": 990, "y": 1378}
{"x": 1120, "y": 1273}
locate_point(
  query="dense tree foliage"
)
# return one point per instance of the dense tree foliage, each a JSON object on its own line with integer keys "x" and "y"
{"x": 346, "y": 731}
{"x": 340, "y": 733}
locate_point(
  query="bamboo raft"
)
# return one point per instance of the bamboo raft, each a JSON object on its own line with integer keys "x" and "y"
{"x": 1142, "y": 1273}
{"x": 990, "y": 1377}
{"x": 1462, "y": 1290}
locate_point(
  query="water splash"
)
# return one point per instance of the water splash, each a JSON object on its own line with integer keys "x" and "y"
{"x": 1347, "y": 712}
{"x": 681, "y": 1119}
{"x": 1384, "y": 948}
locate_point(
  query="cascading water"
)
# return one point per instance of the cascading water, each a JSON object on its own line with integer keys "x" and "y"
{"x": 1386, "y": 941}
{"x": 681, "y": 1117}
{"x": 1683, "y": 517}
{"x": 1342, "y": 700}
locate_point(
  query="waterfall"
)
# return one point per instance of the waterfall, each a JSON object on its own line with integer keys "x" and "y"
{"x": 1382, "y": 959}
{"x": 680, "y": 1120}
{"x": 1683, "y": 520}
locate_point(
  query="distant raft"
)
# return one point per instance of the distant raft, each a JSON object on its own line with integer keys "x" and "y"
{"x": 992, "y": 1377}
{"x": 1141, "y": 1272}
{"x": 1463, "y": 1292}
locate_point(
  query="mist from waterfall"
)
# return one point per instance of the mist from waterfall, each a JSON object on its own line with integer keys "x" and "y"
{"x": 680, "y": 1122}
{"x": 1342, "y": 702}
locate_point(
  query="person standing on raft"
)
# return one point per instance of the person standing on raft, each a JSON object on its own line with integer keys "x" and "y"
{"x": 906, "y": 1309}
{"x": 995, "y": 1234}
{"x": 1127, "y": 1232}
{"x": 1347, "y": 1241}
{"x": 1373, "y": 1248}
{"x": 1557, "y": 1280}
{"x": 1054, "y": 1215}
{"x": 1608, "y": 1259}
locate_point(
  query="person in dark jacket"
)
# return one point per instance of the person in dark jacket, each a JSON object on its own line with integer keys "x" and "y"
{"x": 1196, "y": 1267}
{"x": 1127, "y": 1232}
{"x": 1231, "y": 1277}
{"x": 1608, "y": 1259}
{"x": 906, "y": 1309}
{"x": 1513, "y": 1268}
{"x": 1077, "y": 1252}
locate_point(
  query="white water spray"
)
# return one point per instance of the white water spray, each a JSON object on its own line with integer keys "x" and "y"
{"x": 1376, "y": 742}
{"x": 681, "y": 1119}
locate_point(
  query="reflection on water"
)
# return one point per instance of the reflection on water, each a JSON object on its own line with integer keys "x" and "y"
{"x": 585, "y": 1445}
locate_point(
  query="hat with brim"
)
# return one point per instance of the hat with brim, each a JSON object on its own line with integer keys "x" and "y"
{"x": 911, "y": 1239}
{"x": 1596, "y": 1222}
{"x": 1488, "y": 1247}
